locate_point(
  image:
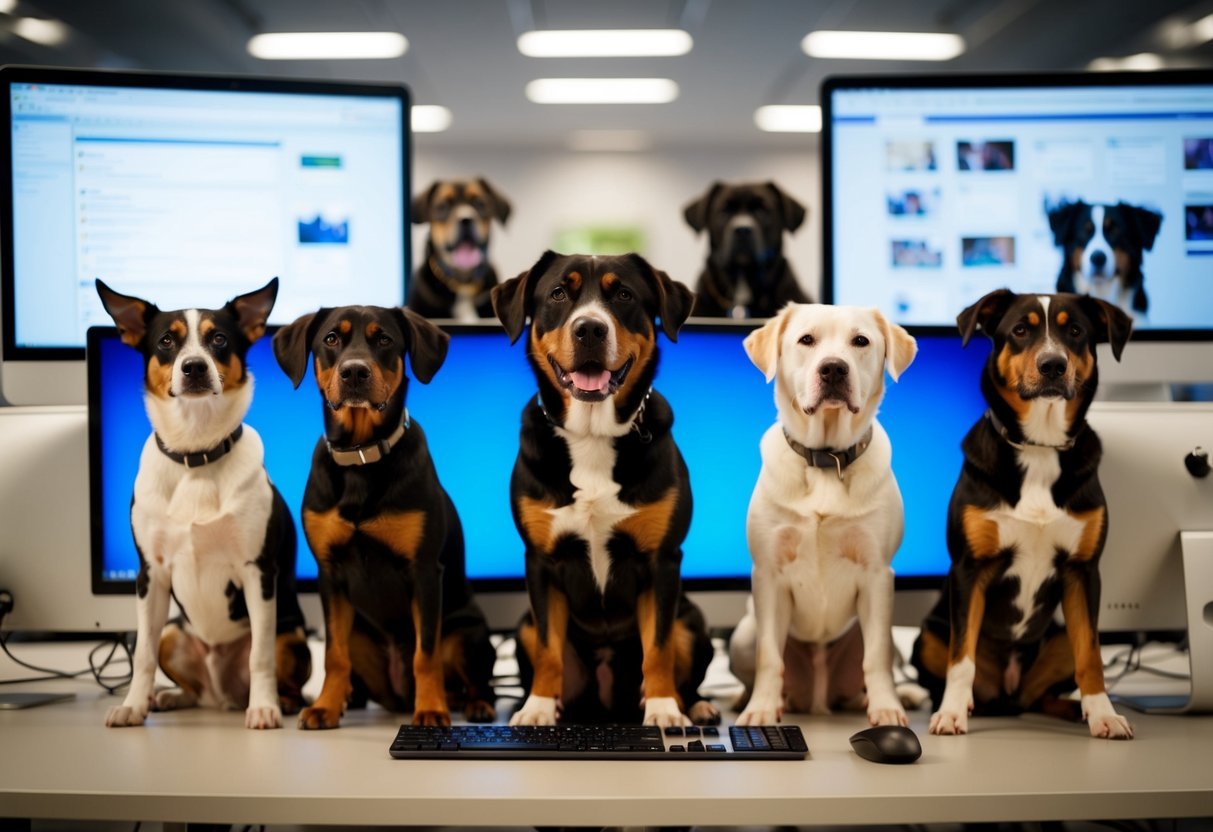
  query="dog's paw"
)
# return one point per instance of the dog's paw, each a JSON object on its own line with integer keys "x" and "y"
{"x": 479, "y": 711}
{"x": 537, "y": 710}
{"x": 316, "y": 718}
{"x": 663, "y": 711}
{"x": 259, "y": 719}
{"x": 704, "y": 712}
{"x": 440, "y": 718}
{"x": 1103, "y": 720}
{"x": 173, "y": 699}
{"x": 760, "y": 713}
{"x": 125, "y": 716}
{"x": 949, "y": 722}
{"x": 888, "y": 716}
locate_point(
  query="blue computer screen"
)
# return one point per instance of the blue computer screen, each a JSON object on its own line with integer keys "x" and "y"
{"x": 471, "y": 410}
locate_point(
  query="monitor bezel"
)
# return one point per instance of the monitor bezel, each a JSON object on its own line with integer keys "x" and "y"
{"x": 14, "y": 74}
{"x": 936, "y": 81}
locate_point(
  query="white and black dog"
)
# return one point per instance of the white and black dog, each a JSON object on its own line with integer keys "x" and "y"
{"x": 1102, "y": 249}
{"x": 211, "y": 530}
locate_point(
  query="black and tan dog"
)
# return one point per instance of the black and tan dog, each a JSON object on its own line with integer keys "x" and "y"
{"x": 746, "y": 274}
{"x": 384, "y": 532}
{"x": 1027, "y": 523}
{"x": 456, "y": 277}
{"x": 602, "y": 499}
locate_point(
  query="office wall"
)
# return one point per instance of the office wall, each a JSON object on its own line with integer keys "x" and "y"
{"x": 555, "y": 189}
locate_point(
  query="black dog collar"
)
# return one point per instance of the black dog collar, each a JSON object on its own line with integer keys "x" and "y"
{"x": 1001, "y": 430}
{"x": 829, "y": 458}
{"x": 370, "y": 452}
{"x": 645, "y": 436}
{"x": 200, "y": 458}
{"x": 456, "y": 286}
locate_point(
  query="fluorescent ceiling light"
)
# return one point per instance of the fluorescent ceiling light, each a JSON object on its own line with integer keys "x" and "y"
{"x": 609, "y": 141}
{"x": 883, "y": 46}
{"x": 430, "y": 118}
{"x": 8, "y": 6}
{"x": 1141, "y": 62}
{"x": 789, "y": 118}
{"x": 604, "y": 43}
{"x": 602, "y": 90}
{"x": 327, "y": 46}
{"x": 1201, "y": 31}
{"x": 37, "y": 30}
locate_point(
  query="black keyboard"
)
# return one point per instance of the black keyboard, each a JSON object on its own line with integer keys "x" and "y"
{"x": 598, "y": 742}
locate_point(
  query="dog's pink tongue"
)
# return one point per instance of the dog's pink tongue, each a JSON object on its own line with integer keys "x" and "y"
{"x": 591, "y": 382}
{"x": 466, "y": 256}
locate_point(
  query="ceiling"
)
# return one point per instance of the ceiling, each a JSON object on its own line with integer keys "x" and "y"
{"x": 463, "y": 55}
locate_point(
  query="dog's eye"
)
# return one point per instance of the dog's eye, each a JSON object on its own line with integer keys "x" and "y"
{"x": 1020, "y": 330}
{"x": 331, "y": 339}
{"x": 624, "y": 295}
{"x": 1075, "y": 331}
{"x": 559, "y": 293}
{"x": 860, "y": 341}
{"x": 166, "y": 342}
{"x": 807, "y": 340}
{"x": 383, "y": 340}
{"x": 219, "y": 340}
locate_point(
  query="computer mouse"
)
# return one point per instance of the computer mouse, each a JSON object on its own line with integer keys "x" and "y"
{"x": 887, "y": 744}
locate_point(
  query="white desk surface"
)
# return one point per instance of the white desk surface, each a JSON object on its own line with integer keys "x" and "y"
{"x": 60, "y": 762}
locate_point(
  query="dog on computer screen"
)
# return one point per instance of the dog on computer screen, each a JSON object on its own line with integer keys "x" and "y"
{"x": 1102, "y": 250}
{"x": 401, "y": 626}
{"x": 601, "y": 498}
{"x": 1027, "y": 523}
{"x": 455, "y": 279}
{"x": 746, "y": 274}
{"x": 825, "y": 519}
{"x": 211, "y": 530}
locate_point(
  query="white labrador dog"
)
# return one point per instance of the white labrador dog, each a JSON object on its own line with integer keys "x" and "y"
{"x": 826, "y": 515}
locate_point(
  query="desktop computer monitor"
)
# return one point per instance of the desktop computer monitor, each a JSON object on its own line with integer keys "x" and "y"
{"x": 175, "y": 188}
{"x": 938, "y": 189}
{"x": 471, "y": 414}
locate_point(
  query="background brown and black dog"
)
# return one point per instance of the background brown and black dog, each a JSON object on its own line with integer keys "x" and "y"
{"x": 602, "y": 499}
{"x": 746, "y": 274}
{"x": 1027, "y": 523}
{"x": 455, "y": 278}
{"x": 384, "y": 532}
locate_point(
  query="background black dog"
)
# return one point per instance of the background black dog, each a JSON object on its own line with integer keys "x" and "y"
{"x": 456, "y": 277}
{"x": 746, "y": 275}
{"x": 1102, "y": 249}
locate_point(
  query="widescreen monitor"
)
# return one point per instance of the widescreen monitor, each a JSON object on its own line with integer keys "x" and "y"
{"x": 175, "y": 188}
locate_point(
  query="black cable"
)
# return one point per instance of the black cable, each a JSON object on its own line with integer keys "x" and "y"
{"x": 111, "y": 684}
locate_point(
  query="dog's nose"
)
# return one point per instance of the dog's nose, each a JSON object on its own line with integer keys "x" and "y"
{"x": 833, "y": 371}
{"x": 465, "y": 224}
{"x": 194, "y": 368}
{"x": 355, "y": 371}
{"x": 1099, "y": 259}
{"x": 1052, "y": 365}
{"x": 589, "y": 331}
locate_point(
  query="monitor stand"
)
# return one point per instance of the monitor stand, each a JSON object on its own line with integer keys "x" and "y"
{"x": 1197, "y": 552}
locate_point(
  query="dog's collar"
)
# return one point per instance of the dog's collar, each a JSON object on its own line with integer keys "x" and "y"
{"x": 456, "y": 286}
{"x": 639, "y": 429}
{"x": 828, "y": 457}
{"x": 200, "y": 458}
{"x": 1020, "y": 445}
{"x": 372, "y": 451}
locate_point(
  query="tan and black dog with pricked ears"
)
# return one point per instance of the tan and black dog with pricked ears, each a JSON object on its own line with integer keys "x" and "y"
{"x": 401, "y": 626}
{"x": 1027, "y": 523}
{"x": 602, "y": 499}
{"x": 456, "y": 277}
{"x": 211, "y": 530}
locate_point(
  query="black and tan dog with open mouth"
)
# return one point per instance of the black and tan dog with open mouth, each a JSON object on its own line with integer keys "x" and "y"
{"x": 602, "y": 499}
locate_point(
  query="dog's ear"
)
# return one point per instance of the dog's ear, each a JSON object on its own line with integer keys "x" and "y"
{"x": 793, "y": 212}
{"x": 1147, "y": 223}
{"x": 420, "y": 206}
{"x": 1061, "y": 220}
{"x": 130, "y": 314}
{"x": 674, "y": 300}
{"x": 696, "y": 213}
{"x": 251, "y": 311}
{"x": 986, "y": 313}
{"x": 427, "y": 344}
{"x": 501, "y": 205}
{"x": 1112, "y": 324}
{"x": 762, "y": 345}
{"x": 512, "y": 299}
{"x": 899, "y": 346}
{"x": 293, "y": 343}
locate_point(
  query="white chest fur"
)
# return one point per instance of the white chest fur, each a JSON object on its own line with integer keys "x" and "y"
{"x": 596, "y": 507}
